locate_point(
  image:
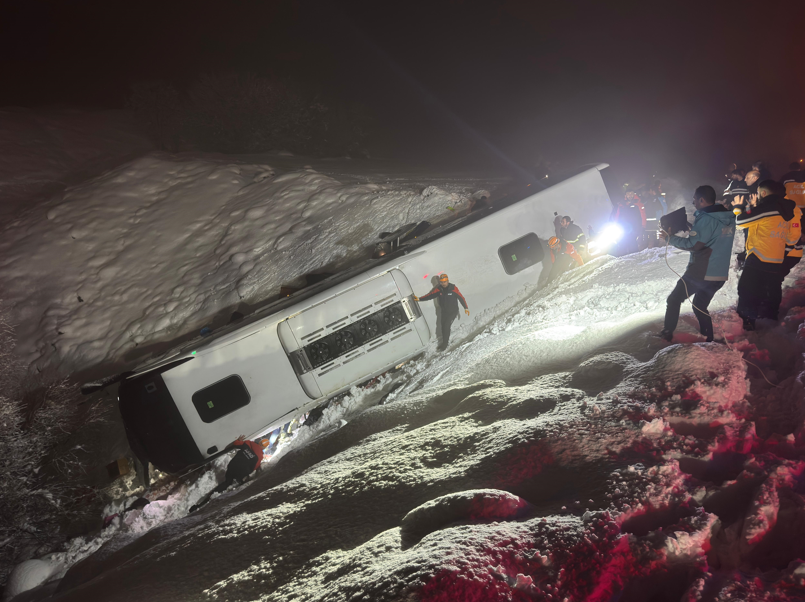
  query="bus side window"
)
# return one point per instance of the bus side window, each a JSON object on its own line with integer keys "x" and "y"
{"x": 521, "y": 253}
{"x": 221, "y": 398}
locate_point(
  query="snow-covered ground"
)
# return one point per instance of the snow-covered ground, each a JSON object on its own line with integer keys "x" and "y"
{"x": 584, "y": 474}
{"x": 558, "y": 452}
{"x": 159, "y": 246}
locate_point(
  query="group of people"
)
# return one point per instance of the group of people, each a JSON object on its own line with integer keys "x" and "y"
{"x": 638, "y": 213}
{"x": 770, "y": 214}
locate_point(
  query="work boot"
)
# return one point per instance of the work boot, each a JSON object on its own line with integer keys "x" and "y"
{"x": 666, "y": 334}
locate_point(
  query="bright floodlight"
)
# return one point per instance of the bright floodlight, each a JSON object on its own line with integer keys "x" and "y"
{"x": 610, "y": 235}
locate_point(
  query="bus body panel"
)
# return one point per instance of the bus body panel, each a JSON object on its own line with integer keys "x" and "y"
{"x": 271, "y": 356}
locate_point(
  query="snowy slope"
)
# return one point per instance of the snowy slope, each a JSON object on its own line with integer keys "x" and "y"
{"x": 159, "y": 246}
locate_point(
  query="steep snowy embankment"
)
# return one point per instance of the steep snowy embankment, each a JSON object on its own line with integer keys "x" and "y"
{"x": 156, "y": 248}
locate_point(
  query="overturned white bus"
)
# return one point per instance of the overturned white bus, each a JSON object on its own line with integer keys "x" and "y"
{"x": 296, "y": 353}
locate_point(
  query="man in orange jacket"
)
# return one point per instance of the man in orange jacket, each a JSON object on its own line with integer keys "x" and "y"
{"x": 562, "y": 258}
{"x": 244, "y": 463}
{"x": 449, "y": 298}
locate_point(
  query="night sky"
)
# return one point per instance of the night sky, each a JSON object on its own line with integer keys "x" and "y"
{"x": 652, "y": 87}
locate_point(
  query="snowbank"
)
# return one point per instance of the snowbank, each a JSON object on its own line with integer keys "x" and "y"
{"x": 160, "y": 246}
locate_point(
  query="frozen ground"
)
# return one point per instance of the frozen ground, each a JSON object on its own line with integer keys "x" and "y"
{"x": 559, "y": 452}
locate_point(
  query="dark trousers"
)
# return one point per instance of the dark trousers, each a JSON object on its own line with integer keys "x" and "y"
{"x": 237, "y": 470}
{"x": 755, "y": 294}
{"x": 703, "y": 292}
{"x": 776, "y": 294}
{"x": 561, "y": 264}
{"x": 446, "y": 321}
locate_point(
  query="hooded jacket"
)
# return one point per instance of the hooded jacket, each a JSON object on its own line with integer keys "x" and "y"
{"x": 251, "y": 452}
{"x": 449, "y": 298}
{"x": 767, "y": 229}
{"x": 709, "y": 242}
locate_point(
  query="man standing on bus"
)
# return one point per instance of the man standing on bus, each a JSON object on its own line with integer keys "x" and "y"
{"x": 449, "y": 297}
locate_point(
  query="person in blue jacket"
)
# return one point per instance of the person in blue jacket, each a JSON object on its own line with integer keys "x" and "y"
{"x": 710, "y": 245}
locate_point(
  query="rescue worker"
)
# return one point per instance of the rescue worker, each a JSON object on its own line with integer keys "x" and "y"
{"x": 449, "y": 297}
{"x": 570, "y": 232}
{"x": 631, "y": 216}
{"x": 767, "y": 232}
{"x": 743, "y": 201}
{"x": 563, "y": 254}
{"x": 736, "y": 187}
{"x": 794, "y": 191}
{"x": 710, "y": 244}
{"x": 245, "y": 462}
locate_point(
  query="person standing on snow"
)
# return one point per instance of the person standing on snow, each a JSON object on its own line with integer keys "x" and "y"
{"x": 244, "y": 463}
{"x": 735, "y": 187}
{"x": 710, "y": 244}
{"x": 767, "y": 233}
{"x": 631, "y": 216}
{"x": 573, "y": 234}
{"x": 449, "y": 297}
{"x": 563, "y": 254}
{"x": 655, "y": 208}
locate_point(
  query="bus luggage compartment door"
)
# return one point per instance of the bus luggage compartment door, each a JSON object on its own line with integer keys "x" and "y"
{"x": 354, "y": 334}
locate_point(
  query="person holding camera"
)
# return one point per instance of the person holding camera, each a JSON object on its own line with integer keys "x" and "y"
{"x": 710, "y": 244}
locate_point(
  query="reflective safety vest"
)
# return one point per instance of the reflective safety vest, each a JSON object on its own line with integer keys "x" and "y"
{"x": 767, "y": 230}
{"x": 794, "y": 182}
{"x": 793, "y": 244}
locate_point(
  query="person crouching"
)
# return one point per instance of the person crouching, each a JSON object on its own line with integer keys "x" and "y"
{"x": 245, "y": 462}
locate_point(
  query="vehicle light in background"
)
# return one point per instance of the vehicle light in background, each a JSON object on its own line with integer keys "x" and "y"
{"x": 609, "y": 236}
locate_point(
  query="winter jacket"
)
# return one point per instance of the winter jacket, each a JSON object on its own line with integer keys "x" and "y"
{"x": 793, "y": 243}
{"x": 569, "y": 250}
{"x": 251, "y": 451}
{"x": 574, "y": 235}
{"x": 794, "y": 182}
{"x": 631, "y": 216}
{"x": 733, "y": 189}
{"x": 767, "y": 231}
{"x": 449, "y": 298}
{"x": 655, "y": 207}
{"x": 709, "y": 242}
